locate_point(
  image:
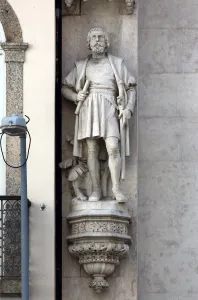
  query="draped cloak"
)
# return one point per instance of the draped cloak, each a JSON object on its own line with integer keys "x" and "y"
{"x": 75, "y": 80}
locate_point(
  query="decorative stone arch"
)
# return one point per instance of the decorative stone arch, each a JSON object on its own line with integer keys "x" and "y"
{"x": 14, "y": 49}
{"x": 10, "y": 23}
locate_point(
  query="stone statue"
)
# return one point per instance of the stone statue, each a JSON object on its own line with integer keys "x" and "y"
{"x": 104, "y": 92}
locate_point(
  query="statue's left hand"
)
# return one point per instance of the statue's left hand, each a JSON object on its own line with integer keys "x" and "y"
{"x": 125, "y": 114}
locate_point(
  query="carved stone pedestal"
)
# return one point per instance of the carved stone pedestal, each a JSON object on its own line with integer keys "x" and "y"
{"x": 99, "y": 238}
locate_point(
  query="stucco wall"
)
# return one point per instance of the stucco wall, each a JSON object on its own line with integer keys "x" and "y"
{"x": 168, "y": 150}
{"x": 37, "y": 20}
{"x": 123, "y": 37}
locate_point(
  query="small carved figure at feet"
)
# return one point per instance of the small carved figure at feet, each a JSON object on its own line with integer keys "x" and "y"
{"x": 95, "y": 196}
{"x": 119, "y": 196}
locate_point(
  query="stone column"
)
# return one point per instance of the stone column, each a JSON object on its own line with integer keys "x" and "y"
{"x": 14, "y": 58}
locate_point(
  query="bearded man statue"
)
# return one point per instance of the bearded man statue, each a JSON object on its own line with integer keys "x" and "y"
{"x": 104, "y": 92}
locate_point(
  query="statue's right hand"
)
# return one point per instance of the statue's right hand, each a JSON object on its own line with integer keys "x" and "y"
{"x": 81, "y": 96}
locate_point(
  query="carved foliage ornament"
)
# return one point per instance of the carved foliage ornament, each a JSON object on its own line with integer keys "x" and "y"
{"x": 96, "y": 226}
{"x": 100, "y": 239}
{"x": 99, "y": 260}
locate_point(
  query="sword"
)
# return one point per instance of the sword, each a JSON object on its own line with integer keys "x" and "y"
{"x": 122, "y": 131}
{"x": 123, "y": 143}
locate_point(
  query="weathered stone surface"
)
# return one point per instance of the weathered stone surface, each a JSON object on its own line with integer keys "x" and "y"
{"x": 157, "y": 184}
{"x": 187, "y": 49}
{"x": 168, "y": 14}
{"x": 187, "y": 93}
{"x": 72, "y": 288}
{"x": 14, "y": 104}
{"x": 9, "y": 286}
{"x": 10, "y": 22}
{"x": 14, "y": 57}
{"x": 188, "y": 139}
{"x": 182, "y": 93}
{"x": 14, "y": 52}
{"x": 166, "y": 296}
{"x": 159, "y": 139}
{"x": 156, "y": 14}
{"x": 126, "y": 288}
{"x": 71, "y": 267}
{"x": 99, "y": 238}
{"x": 8, "y": 298}
{"x": 186, "y": 13}
{"x": 172, "y": 232}
{"x": 159, "y": 48}
{"x": 168, "y": 251}
{"x": 167, "y": 183}
{"x": 168, "y": 50}
{"x": 153, "y": 90}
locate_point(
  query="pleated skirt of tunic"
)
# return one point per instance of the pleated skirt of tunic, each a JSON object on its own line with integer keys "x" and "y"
{"x": 98, "y": 117}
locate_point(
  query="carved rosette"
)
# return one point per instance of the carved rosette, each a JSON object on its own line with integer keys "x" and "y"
{"x": 99, "y": 238}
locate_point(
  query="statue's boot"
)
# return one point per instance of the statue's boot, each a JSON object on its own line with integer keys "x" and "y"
{"x": 119, "y": 196}
{"x": 80, "y": 196}
{"x": 96, "y": 195}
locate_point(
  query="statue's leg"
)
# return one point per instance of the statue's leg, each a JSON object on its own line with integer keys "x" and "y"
{"x": 112, "y": 144}
{"x": 94, "y": 168}
{"x": 79, "y": 194}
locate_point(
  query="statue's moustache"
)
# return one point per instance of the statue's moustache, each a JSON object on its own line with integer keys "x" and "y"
{"x": 98, "y": 44}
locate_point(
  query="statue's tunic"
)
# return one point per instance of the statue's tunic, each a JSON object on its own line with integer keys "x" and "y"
{"x": 98, "y": 115}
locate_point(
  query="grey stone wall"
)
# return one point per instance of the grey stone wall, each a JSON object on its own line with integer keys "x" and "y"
{"x": 123, "y": 37}
{"x": 168, "y": 150}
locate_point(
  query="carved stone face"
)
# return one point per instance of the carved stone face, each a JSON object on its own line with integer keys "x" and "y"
{"x": 97, "y": 42}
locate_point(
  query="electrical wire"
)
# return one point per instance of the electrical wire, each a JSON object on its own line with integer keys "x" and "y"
{"x": 14, "y": 167}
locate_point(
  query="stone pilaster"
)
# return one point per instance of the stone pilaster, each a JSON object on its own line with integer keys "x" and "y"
{"x": 14, "y": 58}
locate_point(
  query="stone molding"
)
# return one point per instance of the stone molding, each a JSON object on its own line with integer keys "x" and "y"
{"x": 99, "y": 226}
{"x": 14, "y": 52}
{"x": 102, "y": 251}
{"x": 10, "y": 287}
{"x": 99, "y": 238}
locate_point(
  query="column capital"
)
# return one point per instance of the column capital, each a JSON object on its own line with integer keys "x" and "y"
{"x": 14, "y": 52}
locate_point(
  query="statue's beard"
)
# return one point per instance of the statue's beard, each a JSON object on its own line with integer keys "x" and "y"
{"x": 98, "y": 48}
